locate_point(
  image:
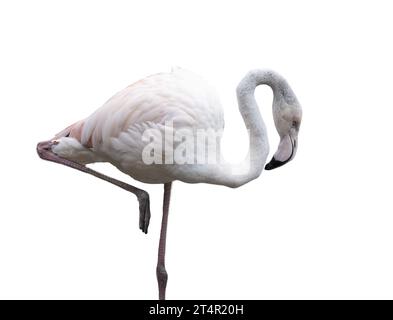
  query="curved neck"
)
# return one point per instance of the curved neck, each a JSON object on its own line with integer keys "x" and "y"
{"x": 239, "y": 174}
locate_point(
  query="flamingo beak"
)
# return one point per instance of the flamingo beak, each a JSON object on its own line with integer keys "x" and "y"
{"x": 286, "y": 151}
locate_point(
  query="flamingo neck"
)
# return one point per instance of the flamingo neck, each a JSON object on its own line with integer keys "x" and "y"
{"x": 235, "y": 175}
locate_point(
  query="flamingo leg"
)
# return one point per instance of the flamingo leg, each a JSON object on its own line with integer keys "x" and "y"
{"x": 44, "y": 151}
{"x": 162, "y": 275}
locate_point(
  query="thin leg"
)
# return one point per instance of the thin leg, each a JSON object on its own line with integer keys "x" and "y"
{"x": 162, "y": 275}
{"x": 44, "y": 151}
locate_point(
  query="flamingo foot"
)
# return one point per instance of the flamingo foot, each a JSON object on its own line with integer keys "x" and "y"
{"x": 144, "y": 211}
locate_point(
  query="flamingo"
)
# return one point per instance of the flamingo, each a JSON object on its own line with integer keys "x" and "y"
{"x": 115, "y": 133}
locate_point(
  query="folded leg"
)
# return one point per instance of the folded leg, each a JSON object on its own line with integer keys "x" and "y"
{"x": 44, "y": 150}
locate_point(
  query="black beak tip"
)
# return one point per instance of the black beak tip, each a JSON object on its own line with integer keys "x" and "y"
{"x": 274, "y": 164}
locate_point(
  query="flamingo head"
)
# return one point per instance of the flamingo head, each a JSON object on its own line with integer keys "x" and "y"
{"x": 287, "y": 119}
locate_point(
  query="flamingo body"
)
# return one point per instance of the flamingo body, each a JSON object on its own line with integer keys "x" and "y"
{"x": 114, "y": 132}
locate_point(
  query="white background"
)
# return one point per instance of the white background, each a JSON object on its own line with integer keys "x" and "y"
{"x": 320, "y": 227}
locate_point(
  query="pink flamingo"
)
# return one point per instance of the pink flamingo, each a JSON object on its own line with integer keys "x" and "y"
{"x": 115, "y": 134}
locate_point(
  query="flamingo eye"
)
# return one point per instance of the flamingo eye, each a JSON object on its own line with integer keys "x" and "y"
{"x": 294, "y": 124}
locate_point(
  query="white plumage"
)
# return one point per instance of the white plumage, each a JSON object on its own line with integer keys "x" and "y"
{"x": 114, "y": 132}
{"x": 184, "y": 100}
